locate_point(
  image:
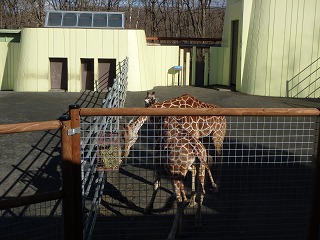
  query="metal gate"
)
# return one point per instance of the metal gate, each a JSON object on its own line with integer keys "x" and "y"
{"x": 93, "y": 128}
{"x": 265, "y": 177}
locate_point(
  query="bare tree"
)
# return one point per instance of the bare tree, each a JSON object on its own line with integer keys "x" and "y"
{"x": 184, "y": 18}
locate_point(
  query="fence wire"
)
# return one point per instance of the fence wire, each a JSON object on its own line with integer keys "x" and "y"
{"x": 93, "y": 181}
{"x": 36, "y": 221}
{"x": 265, "y": 178}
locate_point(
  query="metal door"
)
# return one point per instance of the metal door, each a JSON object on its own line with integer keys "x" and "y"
{"x": 59, "y": 73}
{"x": 234, "y": 52}
{"x": 107, "y": 73}
{"x": 87, "y": 74}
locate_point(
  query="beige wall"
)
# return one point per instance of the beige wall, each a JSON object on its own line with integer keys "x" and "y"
{"x": 220, "y": 56}
{"x": 9, "y": 55}
{"x": 283, "y": 39}
{"x": 148, "y": 65}
{"x": 278, "y": 39}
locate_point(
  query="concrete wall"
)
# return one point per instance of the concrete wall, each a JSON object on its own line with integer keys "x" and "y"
{"x": 277, "y": 40}
{"x": 9, "y": 55}
{"x": 220, "y": 56}
{"x": 283, "y": 39}
{"x": 148, "y": 65}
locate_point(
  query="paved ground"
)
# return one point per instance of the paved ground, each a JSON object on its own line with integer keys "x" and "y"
{"x": 26, "y": 158}
{"x": 30, "y": 162}
{"x": 24, "y": 107}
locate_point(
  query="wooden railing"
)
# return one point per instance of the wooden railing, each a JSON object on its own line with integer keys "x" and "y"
{"x": 71, "y": 172}
{"x": 71, "y": 192}
{"x": 199, "y": 111}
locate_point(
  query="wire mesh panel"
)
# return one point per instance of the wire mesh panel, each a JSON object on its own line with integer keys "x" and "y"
{"x": 264, "y": 176}
{"x": 97, "y": 145}
{"x": 30, "y": 170}
{"x": 36, "y": 221}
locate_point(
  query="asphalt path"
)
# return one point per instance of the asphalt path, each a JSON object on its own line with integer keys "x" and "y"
{"x": 30, "y": 161}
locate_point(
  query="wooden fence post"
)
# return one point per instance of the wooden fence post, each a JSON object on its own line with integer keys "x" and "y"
{"x": 206, "y": 69}
{"x": 186, "y": 80}
{"x": 67, "y": 183}
{"x": 71, "y": 175}
{"x": 193, "y": 66}
{"x": 315, "y": 209}
{"x": 181, "y": 63}
{"x": 74, "y": 111}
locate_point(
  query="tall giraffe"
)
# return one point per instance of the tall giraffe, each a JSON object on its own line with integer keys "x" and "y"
{"x": 196, "y": 126}
{"x": 149, "y": 100}
{"x": 190, "y": 128}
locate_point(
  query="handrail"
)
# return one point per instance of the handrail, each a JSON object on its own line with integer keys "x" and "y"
{"x": 304, "y": 78}
{"x": 296, "y": 85}
{"x": 200, "y": 111}
{"x": 183, "y": 39}
{"x": 313, "y": 82}
{"x": 29, "y": 127}
{"x": 303, "y": 69}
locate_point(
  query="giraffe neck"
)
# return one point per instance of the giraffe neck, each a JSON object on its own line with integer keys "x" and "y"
{"x": 137, "y": 124}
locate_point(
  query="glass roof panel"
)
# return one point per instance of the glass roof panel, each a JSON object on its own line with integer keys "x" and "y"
{"x": 69, "y": 19}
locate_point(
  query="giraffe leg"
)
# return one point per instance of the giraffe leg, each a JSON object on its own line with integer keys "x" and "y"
{"x": 193, "y": 187}
{"x": 177, "y": 222}
{"x": 218, "y": 170}
{"x": 218, "y": 142}
{"x": 213, "y": 184}
{"x": 181, "y": 205}
{"x": 200, "y": 193}
{"x": 156, "y": 187}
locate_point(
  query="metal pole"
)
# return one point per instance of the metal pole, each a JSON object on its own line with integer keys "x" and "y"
{"x": 193, "y": 66}
{"x": 315, "y": 210}
{"x": 206, "y": 69}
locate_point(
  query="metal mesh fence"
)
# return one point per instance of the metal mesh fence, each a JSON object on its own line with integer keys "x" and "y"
{"x": 93, "y": 130}
{"x": 36, "y": 221}
{"x": 265, "y": 179}
{"x": 35, "y": 172}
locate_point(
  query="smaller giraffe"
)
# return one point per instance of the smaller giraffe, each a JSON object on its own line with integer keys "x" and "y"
{"x": 183, "y": 149}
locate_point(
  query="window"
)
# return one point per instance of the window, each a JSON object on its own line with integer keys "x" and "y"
{"x": 84, "y": 19}
{"x": 69, "y": 20}
{"x": 100, "y": 20}
{"x": 115, "y": 20}
{"x": 54, "y": 18}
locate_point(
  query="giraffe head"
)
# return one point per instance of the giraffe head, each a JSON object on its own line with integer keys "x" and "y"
{"x": 150, "y": 99}
{"x": 129, "y": 136}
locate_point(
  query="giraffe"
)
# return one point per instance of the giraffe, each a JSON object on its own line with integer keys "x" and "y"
{"x": 190, "y": 129}
{"x": 197, "y": 126}
{"x": 182, "y": 151}
{"x": 151, "y": 99}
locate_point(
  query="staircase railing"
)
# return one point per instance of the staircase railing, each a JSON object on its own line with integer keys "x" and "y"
{"x": 297, "y": 88}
